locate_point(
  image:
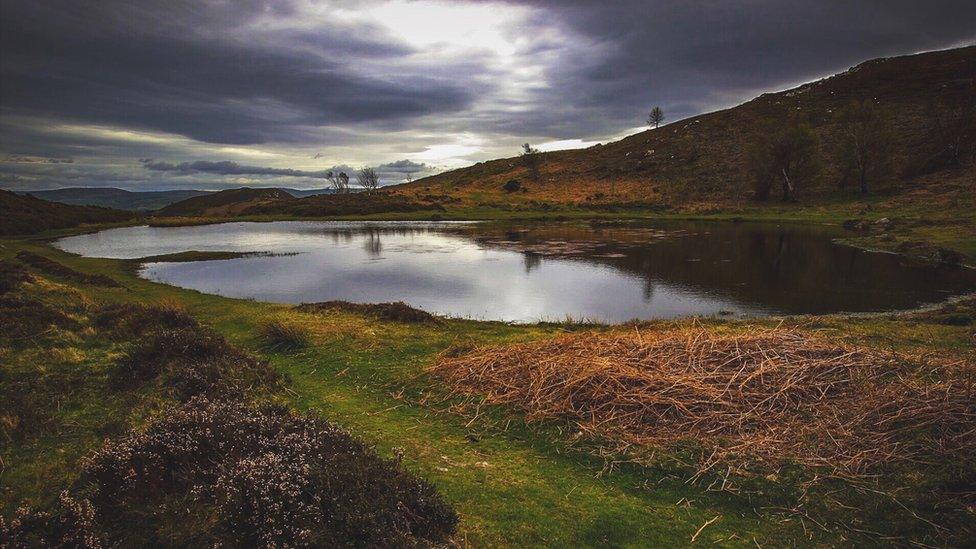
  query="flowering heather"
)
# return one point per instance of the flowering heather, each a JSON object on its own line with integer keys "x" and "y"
{"x": 262, "y": 476}
{"x": 71, "y": 525}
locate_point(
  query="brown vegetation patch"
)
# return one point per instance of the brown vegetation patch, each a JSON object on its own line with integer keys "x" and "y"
{"x": 263, "y": 477}
{"x": 51, "y": 267}
{"x": 25, "y": 214}
{"x": 771, "y": 395}
{"x": 344, "y": 204}
{"x": 396, "y": 312}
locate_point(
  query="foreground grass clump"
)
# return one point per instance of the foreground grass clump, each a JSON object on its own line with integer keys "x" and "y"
{"x": 395, "y": 312}
{"x": 284, "y": 335}
{"x": 775, "y": 395}
{"x": 53, "y": 268}
{"x": 216, "y": 472}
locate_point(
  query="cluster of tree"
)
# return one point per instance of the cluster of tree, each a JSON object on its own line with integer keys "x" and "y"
{"x": 338, "y": 182}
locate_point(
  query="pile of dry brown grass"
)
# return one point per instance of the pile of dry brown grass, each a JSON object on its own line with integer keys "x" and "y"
{"x": 772, "y": 395}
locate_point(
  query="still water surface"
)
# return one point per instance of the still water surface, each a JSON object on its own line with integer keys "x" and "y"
{"x": 539, "y": 271}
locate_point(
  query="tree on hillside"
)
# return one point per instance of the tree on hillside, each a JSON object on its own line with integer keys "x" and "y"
{"x": 368, "y": 179}
{"x": 338, "y": 182}
{"x": 954, "y": 121}
{"x": 784, "y": 155}
{"x": 656, "y": 117}
{"x": 530, "y": 159}
{"x": 867, "y": 143}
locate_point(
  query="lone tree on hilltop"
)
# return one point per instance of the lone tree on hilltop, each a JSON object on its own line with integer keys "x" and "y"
{"x": 656, "y": 117}
{"x": 530, "y": 159}
{"x": 867, "y": 143}
{"x": 786, "y": 155}
{"x": 368, "y": 179}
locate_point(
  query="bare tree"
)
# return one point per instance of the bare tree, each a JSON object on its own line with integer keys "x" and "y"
{"x": 656, "y": 117}
{"x": 368, "y": 179}
{"x": 786, "y": 155}
{"x": 867, "y": 143}
{"x": 338, "y": 182}
{"x": 530, "y": 159}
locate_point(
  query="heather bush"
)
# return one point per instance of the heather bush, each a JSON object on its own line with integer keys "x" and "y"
{"x": 12, "y": 276}
{"x": 263, "y": 476}
{"x": 72, "y": 524}
{"x": 397, "y": 311}
{"x": 191, "y": 361}
{"x": 24, "y": 319}
{"x": 125, "y": 320}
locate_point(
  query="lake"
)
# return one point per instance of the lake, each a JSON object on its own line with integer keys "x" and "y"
{"x": 539, "y": 271}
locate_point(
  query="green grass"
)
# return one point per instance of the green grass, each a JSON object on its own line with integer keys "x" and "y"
{"x": 514, "y": 486}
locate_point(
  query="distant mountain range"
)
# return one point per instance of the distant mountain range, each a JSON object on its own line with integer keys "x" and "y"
{"x": 111, "y": 197}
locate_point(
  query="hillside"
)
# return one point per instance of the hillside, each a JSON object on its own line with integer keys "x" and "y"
{"x": 705, "y": 158}
{"x": 30, "y": 215}
{"x": 110, "y": 197}
{"x": 225, "y": 203}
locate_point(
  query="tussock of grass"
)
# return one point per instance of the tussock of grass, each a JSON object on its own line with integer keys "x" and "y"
{"x": 395, "y": 312}
{"x": 53, "y": 268}
{"x": 775, "y": 395}
{"x": 285, "y": 335}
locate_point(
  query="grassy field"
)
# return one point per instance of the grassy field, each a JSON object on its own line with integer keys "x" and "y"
{"x": 512, "y": 484}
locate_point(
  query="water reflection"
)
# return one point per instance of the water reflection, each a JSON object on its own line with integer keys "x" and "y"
{"x": 543, "y": 271}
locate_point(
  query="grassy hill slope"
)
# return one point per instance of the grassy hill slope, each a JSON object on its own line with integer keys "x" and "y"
{"x": 30, "y": 215}
{"x": 704, "y": 158}
{"x": 111, "y": 197}
{"x": 225, "y": 203}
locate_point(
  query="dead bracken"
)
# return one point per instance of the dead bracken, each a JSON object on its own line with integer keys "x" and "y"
{"x": 772, "y": 395}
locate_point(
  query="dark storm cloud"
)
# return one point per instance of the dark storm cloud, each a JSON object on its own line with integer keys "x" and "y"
{"x": 185, "y": 71}
{"x": 690, "y": 56}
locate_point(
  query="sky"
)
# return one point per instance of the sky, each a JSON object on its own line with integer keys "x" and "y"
{"x": 197, "y": 94}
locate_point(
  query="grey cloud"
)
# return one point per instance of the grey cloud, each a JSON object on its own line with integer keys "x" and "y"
{"x": 62, "y": 60}
{"x": 227, "y": 167}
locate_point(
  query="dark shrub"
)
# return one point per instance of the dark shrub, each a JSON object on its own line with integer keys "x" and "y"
{"x": 23, "y": 319}
{"x": 192, "y": 361}
{"x": 126, "y": 320}
{"x": 53, "y": 268}
{"x": 262, "y": 477}
{"x": 955, "y": 319}
{"x": 397, "y": 311}
{"x": 12, "y": 276}
{"x": 512, "y": 186}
